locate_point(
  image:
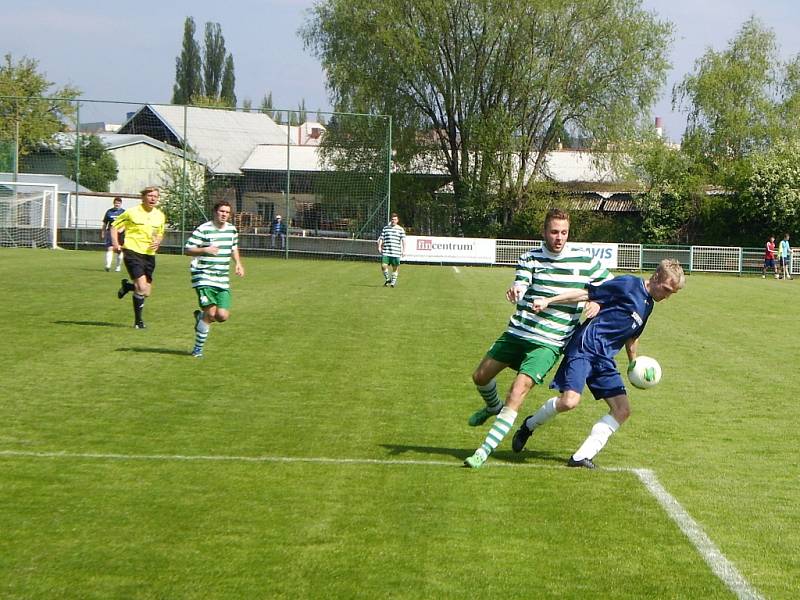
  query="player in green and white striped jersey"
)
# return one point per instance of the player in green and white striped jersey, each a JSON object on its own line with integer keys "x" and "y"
{"x": 533, "y": 341}
{"x": 213, "y": 244}
{"x": 392, "y": 247}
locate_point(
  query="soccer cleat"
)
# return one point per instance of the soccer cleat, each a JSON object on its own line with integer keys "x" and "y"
{"x": 387, "y": 282}
{"x": 108, "y": 269}
{"x": 480, "y": 417}
{"x": 139, "y": 325}
{"x": 393, "y": 284}
{"x": 584, "y": 462}
{"x": 117, "y": 269}
{"x": 521, "y": 437}
{"x": 197, "y": 352}
{"x": 124, "y": 288}
{"x": 475, "y": 461}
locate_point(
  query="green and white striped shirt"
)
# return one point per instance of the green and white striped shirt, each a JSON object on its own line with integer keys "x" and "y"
{"x": 392, "y": 239}
{"x": 544, "y": 274}
{"x": 208, "y": 270}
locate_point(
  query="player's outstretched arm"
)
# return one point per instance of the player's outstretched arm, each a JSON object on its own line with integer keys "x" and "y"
{"x": 570, "y": 296}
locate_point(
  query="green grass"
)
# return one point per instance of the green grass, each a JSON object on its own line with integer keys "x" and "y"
{"x": 319, "y": 361}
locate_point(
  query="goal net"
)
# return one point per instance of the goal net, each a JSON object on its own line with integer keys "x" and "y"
{"x": 28, "y": 214}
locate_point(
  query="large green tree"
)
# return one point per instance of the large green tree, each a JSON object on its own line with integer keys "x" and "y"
{"x": 739, "y": 102}
{"x": 204, "y": 77}
{"x": 30, "y": 113}
{"x": 98, "y": 167}
{"x": 482, "y": 88}
{"x": 188, "y": 67}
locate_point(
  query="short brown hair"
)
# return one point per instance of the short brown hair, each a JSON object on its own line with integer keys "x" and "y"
{"x": 222, "y": 203}
{"x": 553, "y": 214}
{"x": 148, "y": 189}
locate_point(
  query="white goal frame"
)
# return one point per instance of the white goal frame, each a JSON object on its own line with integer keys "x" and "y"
{"x": 47, "y": 219}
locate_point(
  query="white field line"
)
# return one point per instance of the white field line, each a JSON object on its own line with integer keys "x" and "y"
{"x": 456, "y": 270}
{"x": 719, "y": 564}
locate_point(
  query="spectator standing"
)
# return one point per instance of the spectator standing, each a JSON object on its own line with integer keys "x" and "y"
{"x": 278, "y": 230}
{"x": 786, "y": 257}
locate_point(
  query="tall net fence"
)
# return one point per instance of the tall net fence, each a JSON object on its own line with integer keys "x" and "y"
{"x": 305, "y": 183}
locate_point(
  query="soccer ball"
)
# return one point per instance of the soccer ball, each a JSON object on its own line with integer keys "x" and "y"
{"x": 645, "y": 372}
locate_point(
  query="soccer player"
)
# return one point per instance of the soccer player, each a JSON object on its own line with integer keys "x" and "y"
{"x": 392, "y": 247}
{"x": 144, "y": 230}
{"x": 105, "y": 233}
{"x": 786, "y": 253}
{"x": 769, "y": 258}
{"x": 625, "y": 305}
{"x": 532, "y": 342}
{"x": 213, "y": 244}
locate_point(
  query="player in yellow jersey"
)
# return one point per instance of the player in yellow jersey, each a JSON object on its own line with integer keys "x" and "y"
{"x": 144, "y": 230}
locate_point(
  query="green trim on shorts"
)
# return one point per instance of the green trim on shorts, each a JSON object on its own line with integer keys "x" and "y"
{"x": 530, "y": 358}
{"x": 213, "y": 296}
{"x": 390, "y": 260}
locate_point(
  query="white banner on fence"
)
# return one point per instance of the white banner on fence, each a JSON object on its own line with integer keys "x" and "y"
{"x": 449, "y": 250}
{"x": 605, "y": 253}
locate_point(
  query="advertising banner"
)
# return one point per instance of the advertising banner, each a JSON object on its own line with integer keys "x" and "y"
{"x": 420, "y": 248}
{"x": 604, "y": 252}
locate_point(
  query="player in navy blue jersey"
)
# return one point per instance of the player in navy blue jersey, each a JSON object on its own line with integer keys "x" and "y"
{"x": 105, "y": 233}
{"x": 625, "y": 305}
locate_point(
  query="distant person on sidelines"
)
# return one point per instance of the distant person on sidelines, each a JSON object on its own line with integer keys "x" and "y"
{"x": 532, "y": 342}
{"x": 105, "y": 233}
{"x": 786, "y": 258}
{"x": 278, "y": 230}
{"x": 625, "y": 305}
{"x": 213, "y": 244}
{"x": 392, "y": 247}
{"x": 769, "y": 258}
{"x": 144, "y": 229}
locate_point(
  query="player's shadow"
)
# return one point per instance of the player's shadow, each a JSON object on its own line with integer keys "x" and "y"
{"x": 90, "y": 323}
{"x": 155, "y": 351}
{"x": 461, "y": 453}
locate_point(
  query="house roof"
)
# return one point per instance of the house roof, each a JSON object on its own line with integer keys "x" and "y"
{"x": 223, "y": 138}
{"x": 271, "y": 157}
{"x": 65, "y": 184}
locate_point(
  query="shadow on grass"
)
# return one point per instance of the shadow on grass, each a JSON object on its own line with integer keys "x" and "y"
{"x": 91, "y": 323}
{"x": 461, "y": 453}
{"x": 155, "y": 351}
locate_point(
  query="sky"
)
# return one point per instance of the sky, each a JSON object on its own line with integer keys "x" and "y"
{"x": 126, "y": 51}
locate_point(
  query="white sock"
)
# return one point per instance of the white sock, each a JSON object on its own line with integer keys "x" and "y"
{"x": 598, "y": 437}
{"x": 546, "y": 412}
{"x": 109, "y": 256}
{"x": 500, "y": 428}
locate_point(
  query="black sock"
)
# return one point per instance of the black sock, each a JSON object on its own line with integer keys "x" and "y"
{"x": 138, "y": 305}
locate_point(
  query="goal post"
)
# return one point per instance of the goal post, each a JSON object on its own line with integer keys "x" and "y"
{"x": 28, "y": 214}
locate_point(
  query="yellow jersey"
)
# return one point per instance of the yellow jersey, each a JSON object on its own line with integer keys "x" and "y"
{"x": 141, "y": 228}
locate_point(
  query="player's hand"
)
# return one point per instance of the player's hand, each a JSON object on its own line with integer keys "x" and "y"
{"x": 117, "y": 248}
{"x": 540, "y": 304}
{"x": 239, "y": 270}
{"x": 212, "y": 250}
{"x": 515, "y": 293}
{"x": 591, "y": 309}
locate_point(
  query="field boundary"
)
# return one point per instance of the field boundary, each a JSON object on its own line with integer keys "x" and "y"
{"x": 719, "y": 564}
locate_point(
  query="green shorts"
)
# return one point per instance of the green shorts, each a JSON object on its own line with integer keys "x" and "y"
{"x": 390, "y": 260}
{"x": 531, "y": 358}
{"x": 213, "y": 296}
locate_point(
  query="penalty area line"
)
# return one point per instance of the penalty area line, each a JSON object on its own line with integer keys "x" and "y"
{"x": 719, "y": 564}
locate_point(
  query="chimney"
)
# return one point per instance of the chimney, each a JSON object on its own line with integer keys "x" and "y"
{"x": 659, "y": 127}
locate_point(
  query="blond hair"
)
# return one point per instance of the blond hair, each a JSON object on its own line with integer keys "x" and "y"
{"x": 148, "y": 189}
{"x": 670, "y": 269}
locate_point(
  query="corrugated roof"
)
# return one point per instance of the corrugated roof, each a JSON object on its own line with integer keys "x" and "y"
{"x": 224, "y": 138}
{"x": 269, "y": 157}
{"x": 65, "y": 184}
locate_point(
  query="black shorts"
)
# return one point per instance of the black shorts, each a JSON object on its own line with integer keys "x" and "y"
{"x": 139, "y": 264}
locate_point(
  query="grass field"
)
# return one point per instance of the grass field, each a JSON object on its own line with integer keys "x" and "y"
{"x": 315, "y": 452}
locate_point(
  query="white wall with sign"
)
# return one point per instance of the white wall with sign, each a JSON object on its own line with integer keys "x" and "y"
{"x": 420, "y": 248}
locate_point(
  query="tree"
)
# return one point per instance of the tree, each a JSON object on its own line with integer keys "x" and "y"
{"x": 26, "y": 114}
{"x": 247, "y": 105}
{"x": 227, "y": 94}
{"x": 183, "y": 192}
{"x": 739, "y": 102}
{"x": 188, "y": 67}
{"x": 213, "y": 60}
{"x": 484, "y": 87}
{"x": 266, "y": 106}
{"x": 98, "y": 167}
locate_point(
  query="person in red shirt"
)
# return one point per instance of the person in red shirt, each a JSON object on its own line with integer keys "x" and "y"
{"x": 769, "y": 258}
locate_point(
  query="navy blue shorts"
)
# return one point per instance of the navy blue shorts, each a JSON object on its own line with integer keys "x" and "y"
{"x": 599, "y": 373}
